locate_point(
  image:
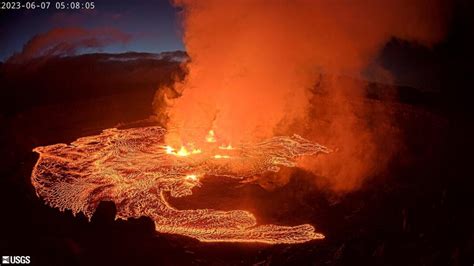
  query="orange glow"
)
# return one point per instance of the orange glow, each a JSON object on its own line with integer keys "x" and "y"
{"x": 211, "y": 136}
{"x": 192, "y": 177}
{"x": 131, "y": 168}
{"x": 183, "y": 152}
{"x": 218, "y": 156}
{"x": 228, "y": 147}
{"x": 169, "y": 150}
{"x": 263, "y": 67}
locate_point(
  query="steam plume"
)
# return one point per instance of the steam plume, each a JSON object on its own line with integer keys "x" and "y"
{"x": 253, "y": 64}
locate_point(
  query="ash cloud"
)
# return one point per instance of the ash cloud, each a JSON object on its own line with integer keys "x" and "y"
{"x": 260, "y": 68}
{"x": 68, "y": 41}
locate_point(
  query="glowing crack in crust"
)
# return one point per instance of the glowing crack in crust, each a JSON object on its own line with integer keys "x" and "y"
{"x": 134, "y": 169}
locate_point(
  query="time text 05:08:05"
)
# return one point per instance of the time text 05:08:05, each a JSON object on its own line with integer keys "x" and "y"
{"x": 74, "y": 5}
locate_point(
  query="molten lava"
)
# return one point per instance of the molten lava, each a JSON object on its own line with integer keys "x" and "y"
{"x": 228, "y": 147}
{"x": 182, "y": 152}
{"x": 133, "y": 169}
{"x": 210, "y": 136}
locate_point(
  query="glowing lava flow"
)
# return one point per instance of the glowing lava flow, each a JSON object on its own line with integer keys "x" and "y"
{"x": 211, "y": 136}
{"x": 132, "y": 168}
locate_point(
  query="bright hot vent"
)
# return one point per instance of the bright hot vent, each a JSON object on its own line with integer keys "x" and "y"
{"x": 136, "y": 170}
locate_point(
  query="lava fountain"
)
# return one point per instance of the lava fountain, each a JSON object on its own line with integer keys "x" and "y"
{"x": 136, "y": 170}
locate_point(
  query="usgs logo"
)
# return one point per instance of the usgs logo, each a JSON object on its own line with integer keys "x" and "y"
{"x": 15, "y": 260}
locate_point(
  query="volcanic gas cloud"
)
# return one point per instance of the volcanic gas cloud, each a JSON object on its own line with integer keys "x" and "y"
{"x": 260, "y": 68}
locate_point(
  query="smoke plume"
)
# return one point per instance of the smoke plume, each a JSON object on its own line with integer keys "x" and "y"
{"x": 260, "y": 68}
{"x": 67, "y": 41}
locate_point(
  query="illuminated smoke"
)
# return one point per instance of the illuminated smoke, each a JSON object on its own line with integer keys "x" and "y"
{"x": 253, "y": 64}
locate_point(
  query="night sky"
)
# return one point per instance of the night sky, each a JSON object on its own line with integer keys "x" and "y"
{"x": 153, "y": 26}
